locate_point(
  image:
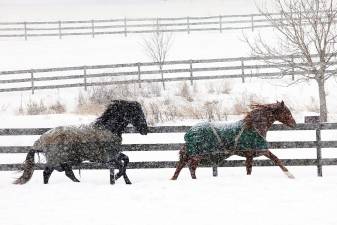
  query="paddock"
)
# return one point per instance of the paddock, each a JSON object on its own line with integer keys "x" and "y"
{"x": 153, "y": 198}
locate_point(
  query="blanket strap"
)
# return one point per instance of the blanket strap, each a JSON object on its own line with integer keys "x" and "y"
{"x": 220, "y": 141}
{"x": 216, "y": 135}
{"x": 237, "y": 138}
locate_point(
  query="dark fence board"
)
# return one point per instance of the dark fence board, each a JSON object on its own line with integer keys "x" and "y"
{"x": 173, "y": 129}
{"x": 172, "y": 164}
{"x": 170, "y": 147}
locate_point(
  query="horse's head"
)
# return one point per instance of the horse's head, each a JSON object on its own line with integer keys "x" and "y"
{"x": 283, "y": 114}
{"x": 120, "y": 113}
{"x": 136, "y": 117}
{"x": 263, "y": 116}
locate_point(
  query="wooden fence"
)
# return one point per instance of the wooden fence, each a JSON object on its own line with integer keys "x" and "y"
{"x": 318, "y": 144}
{"x": 127, "y": 26}
{"x": 138, "y": 73}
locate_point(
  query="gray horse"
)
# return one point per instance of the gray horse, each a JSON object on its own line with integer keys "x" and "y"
{"x": 100, "y": 142}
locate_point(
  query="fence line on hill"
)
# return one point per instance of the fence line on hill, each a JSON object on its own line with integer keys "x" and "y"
{"x": 318, "y": 144}
{"x": 148, "y": 72}
{"x": 127, "y": 26}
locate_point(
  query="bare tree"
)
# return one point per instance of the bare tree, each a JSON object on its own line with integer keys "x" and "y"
{"x": 306, "y": 33}
{"x": 157, "y": 47}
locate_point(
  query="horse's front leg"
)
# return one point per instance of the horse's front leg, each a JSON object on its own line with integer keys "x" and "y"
{"x": 122, "y": 167}
{"x": 278, "y": 162}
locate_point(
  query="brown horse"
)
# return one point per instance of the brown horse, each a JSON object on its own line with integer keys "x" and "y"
{"x": 246, "y": 138}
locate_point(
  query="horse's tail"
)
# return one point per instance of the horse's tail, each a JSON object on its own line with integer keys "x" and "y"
{"x": 28, "y": 168}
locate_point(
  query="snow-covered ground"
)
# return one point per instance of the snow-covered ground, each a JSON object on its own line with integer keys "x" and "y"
{"x": 266, "y": 197}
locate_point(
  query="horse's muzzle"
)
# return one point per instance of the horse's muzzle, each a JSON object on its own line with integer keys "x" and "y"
{"x": 143, "y": 132}
{"x": 292, "y": 124}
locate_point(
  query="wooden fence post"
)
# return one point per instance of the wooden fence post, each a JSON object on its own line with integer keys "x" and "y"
{"x": 25, "y": 29}
{"x": 139, "y": 73}
{"x": 93, "y": 28}
{"x": 157, "y": 25}
{"x": 319, "y": 150}
{"x": 60, "y": 30}
{"x": 220, "y": 23}
{"x": 191, "y": 72}
{"x": 85, "y": 77}
{"x": 125, "y": 28}
{"x": 215, "y": 170}
{"x": 243, "y": 71}
{"x": 32, "y": 80}
{"x": 316, "y": 120}
{"x": 188, "y": 25}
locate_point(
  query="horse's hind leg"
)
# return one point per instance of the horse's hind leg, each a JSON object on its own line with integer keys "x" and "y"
{"x": 278, "y": 162}
{"x": 192, "y": 165}
{"x": 69, "y": 172}
{"x": 249, "y": 164}
{"x": 183, "y": 159}
{"x": 46, "y": 174}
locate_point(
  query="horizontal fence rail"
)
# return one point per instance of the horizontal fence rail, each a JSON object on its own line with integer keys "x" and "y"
{"x": 149, "y": 72}
{"x": 125, "y": 26}
{"x": 318, "y": 144}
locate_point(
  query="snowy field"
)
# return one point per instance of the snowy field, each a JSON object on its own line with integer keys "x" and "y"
{"x": 266, "y": 197}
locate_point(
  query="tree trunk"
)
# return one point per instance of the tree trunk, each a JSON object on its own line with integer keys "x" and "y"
{"x": 162, "y": 74}
{"x": 322, "y": 100}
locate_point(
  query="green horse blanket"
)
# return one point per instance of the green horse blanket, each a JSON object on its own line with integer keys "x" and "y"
{"x": 207, "y": 137}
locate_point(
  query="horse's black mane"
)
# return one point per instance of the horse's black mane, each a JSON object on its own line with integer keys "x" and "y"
{"x": 118, "y": 115}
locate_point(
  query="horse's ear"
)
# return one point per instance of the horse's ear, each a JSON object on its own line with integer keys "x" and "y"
{"x": 282, "y": 103}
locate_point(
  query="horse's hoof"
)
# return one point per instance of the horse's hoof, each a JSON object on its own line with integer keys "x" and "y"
{"x": 173, "y": 178}
{"x": 289, "y": 175}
